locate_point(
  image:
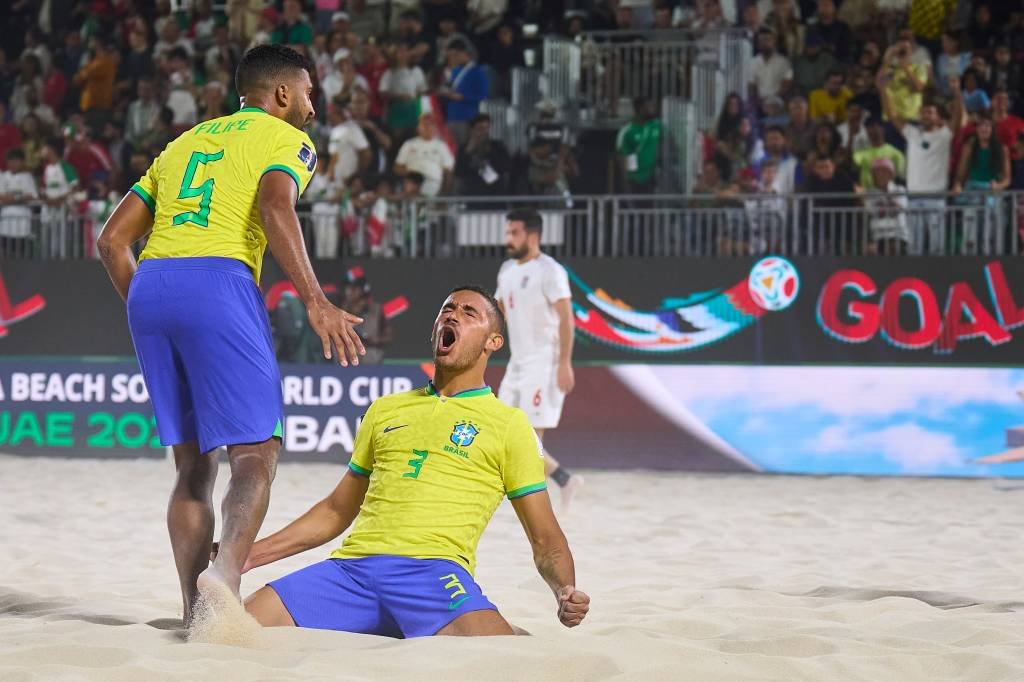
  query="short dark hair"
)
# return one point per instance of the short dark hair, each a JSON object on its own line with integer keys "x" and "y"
{"x": 15, "y": 153}
{"x": 264, "y": 64}
{"x": 415, "y": 178}
{"x": 479, "y": 118}
{"x": 529, "y": 217}
{"x": 492, "y": 303}
{"x": 836, "y": 72}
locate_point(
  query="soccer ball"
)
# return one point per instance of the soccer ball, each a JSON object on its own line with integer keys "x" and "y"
{"x": 773, "y": 283}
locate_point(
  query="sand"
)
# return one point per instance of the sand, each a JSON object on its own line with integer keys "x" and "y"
{"x": 692, "y": 577}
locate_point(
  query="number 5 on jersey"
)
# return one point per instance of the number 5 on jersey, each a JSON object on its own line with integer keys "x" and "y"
{"x": 204, "y": 191}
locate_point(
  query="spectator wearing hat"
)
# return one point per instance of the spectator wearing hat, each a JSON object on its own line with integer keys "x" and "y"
{"x": 886, "y": 205}
{"x": 812, "y": 66}
{"x": 429, "y": 156}
{"x": 341, "y": 23}
{"x": 466, "y": 86}
{"x": 292, "y": 30}
{"x": 340, "y": 82}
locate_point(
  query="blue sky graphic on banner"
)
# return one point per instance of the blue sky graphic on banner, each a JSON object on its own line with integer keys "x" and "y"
{"x": 851, "y": 420}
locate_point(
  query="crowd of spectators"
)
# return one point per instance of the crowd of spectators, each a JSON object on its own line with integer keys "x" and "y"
{"x": 873, "y": 96}
{"x": 877, "y": 98}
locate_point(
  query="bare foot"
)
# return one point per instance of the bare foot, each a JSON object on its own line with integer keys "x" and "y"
{"x": 218, "y": 616}
{"x": 214, "y": 581}
{"x": 569, "y": 491}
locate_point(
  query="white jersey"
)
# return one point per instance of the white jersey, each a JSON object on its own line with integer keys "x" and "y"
{"x": 528, "y": 292}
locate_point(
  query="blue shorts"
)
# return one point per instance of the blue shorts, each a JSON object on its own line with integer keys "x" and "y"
{"x": 385, "y": 595}
{"x": 202, "y": 337}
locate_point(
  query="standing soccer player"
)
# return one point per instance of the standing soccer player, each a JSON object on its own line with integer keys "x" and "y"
{"x": 211, "y": 203}
{"x": 533, "y": 291}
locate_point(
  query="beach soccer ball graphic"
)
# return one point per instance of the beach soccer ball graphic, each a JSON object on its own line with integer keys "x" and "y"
{"x": 773, "y": 283}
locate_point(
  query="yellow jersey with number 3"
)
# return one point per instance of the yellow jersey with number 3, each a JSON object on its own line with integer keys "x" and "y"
{"x": 203, "y": 187}
{"x": 438, "y": 468}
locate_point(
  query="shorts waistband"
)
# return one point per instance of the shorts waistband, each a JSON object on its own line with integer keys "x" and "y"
{"x": 230, "y": 266}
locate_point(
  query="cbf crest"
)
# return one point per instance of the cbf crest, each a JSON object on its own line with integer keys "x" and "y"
{"x": 308, "y": 157}
{"x": 463, "y": 434}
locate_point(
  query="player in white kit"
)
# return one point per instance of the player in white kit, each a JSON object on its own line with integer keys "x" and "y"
{"x": 533, "y": 291}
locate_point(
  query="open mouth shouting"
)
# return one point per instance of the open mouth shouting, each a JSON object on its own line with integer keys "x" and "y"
{"x": 447, "y": 337}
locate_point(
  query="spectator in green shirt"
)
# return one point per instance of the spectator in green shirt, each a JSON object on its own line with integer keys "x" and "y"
{"x": 639, "y": 148}
{"x": 877, "y": 149}
{"x": 292, "y": 30}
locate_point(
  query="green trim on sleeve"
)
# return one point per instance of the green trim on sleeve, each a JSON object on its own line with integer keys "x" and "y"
{"x": 526, "y": 490}
{"x": 289, "y": 171}
{"x": 278, "y": 430}
{"x": 358, "y": 469}
{"x": 144, "y": 195}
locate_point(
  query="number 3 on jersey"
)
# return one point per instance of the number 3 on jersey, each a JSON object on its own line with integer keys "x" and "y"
{"x": 204, "y": 191}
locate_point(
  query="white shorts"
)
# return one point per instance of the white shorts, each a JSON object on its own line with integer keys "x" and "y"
{"x": 533, "y": 388}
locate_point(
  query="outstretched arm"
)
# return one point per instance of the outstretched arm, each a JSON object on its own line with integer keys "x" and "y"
{"x": 129, "y": 223}
{"x": 552, "y": 556}
{"x": 277, "y": 196}
{"x": 325, "y": 520}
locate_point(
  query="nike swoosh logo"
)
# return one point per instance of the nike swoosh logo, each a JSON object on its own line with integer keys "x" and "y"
{"x": 389, "y": 429}
{"x": 455, "y": 604}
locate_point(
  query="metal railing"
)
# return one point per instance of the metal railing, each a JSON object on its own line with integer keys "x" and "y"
{"x": 672, "y": 225}
{"x": 600, "y": 73}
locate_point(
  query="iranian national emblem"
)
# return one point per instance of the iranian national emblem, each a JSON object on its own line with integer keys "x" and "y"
{"x": 463, "y": 434}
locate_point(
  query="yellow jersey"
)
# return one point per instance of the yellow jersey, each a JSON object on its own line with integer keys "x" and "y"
{"x": 203, "y": 187}
{"x": 438, "y": 468}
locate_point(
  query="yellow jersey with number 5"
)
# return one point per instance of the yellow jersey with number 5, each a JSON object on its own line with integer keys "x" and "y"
{"x": 438, "y": 468}
{"x": 203, "y": 187}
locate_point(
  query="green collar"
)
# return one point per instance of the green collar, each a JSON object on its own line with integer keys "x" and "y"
{"x": 468, "y": 393}
{"x": 251, "y": 110}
